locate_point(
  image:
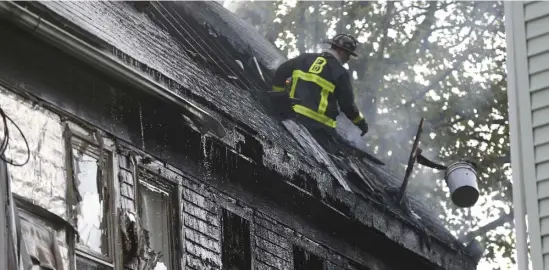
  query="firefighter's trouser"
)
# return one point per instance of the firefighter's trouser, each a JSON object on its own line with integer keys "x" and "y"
{"x": 325, "y": 136}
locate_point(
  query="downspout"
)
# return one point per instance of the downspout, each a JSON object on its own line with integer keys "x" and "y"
{"x": 519, "y": 203}
{"x": 63, "y": 40}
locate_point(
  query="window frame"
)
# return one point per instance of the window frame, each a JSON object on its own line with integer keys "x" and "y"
{"x": 75, "y": 136}
{"x": 232, "y": 206}
{"x": 147, "y": 176}
{"x": 312, "y": 251}
{"x": 43, "y": 217}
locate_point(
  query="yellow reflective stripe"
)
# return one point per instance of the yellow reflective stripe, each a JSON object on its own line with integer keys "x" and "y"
{"x": 315, "y": 115}
{"x": 358, "y": 118}
{"x": 294, "y": 84}
{"x": 318, "y": 65}
{"x": 278, "y": 88}
{"x": 323, "y": 83}
{"x": 327, "y": 87}
{"x": 323, "y": 101}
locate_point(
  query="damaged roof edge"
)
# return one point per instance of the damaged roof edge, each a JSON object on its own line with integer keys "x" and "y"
{"x": 30, "y": 24}
{"x": 217, "y": 16}
{"x": 80, "y": 49}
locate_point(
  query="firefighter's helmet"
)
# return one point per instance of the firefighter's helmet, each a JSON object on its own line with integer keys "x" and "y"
{"x": 345, "y": 42}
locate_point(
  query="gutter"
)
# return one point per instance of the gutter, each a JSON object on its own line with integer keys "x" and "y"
{"x": 74, "y": 46}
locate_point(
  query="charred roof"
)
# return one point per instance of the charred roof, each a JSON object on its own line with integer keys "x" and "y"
{"x": 192, "y": 47}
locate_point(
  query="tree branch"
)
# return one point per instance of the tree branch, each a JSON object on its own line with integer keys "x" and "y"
{"x": 451, "y": 122}
{"x": 440, "y": 77}
{"x": 480, "y": 139}
{"x": 435, "y": 82}
{"x": 385, "y": 29}
{"x": 463, "y": 56}
{"x": 488, "y": 227}
{"x": 339, "y": 6}
{"x": 301, "y": 35}
{"x": 424, "y": 27}
{"x": 449, "y": 27}
{"x": 500, "y": 122}
{"x": 422, "y": 32}
{"x": 503, "y": 160}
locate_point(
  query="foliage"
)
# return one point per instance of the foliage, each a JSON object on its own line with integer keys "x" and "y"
{"x": 443, "y": 61}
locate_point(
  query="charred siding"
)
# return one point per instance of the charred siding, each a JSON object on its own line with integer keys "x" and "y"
{"x": 202, "y": 227}
{"x": 273, "y": 250}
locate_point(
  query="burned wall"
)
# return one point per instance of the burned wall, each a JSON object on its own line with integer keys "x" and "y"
{"x": 273, "y": 233}
{"x": 74, "y": 91}
{"x": 201, "y": 217}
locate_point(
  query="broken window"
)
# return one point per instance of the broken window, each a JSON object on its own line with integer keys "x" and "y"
{"x": 236, "y": 242}
{"x": 304, "y": 260}
{"x": 91, "y": 206}
{"x": 157, "y": 216}
{"x": 39, "y": 248}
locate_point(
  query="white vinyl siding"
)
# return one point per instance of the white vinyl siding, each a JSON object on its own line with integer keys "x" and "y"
{"x": 536, "y": 17}
{"x": 529, "y": 100}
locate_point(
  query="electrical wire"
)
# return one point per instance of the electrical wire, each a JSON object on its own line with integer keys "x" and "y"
{"x": 210, "y": 51}
{"x": 4, "y": 144}
{"x": 5, "y": 141}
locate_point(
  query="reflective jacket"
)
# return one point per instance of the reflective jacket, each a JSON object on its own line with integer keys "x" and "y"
{"x": 318, "y": 80}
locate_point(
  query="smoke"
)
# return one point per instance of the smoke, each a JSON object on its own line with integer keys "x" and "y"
{"x": 232, "y": 6}
{"x": 275, "y": 64}
{"x": 396, "y": 142}
{"x": 393, "y": 129}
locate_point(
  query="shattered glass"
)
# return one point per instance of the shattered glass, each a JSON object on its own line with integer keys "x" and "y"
{"x": 91, "y": 219}
{"x": 155, "y": 212}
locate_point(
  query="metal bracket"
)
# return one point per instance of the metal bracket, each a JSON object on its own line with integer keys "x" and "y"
{"x": 411, "y": 162}
{"x": 416, "y": 156}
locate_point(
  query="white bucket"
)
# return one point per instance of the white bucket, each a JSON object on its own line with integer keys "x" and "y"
{"x": 461, "y": 179}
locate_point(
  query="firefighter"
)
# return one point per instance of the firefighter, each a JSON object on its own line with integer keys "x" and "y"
{"x": 321, "y": 83}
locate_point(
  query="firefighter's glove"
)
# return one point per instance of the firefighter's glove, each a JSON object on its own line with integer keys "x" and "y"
{"x": 363, "y": 127}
